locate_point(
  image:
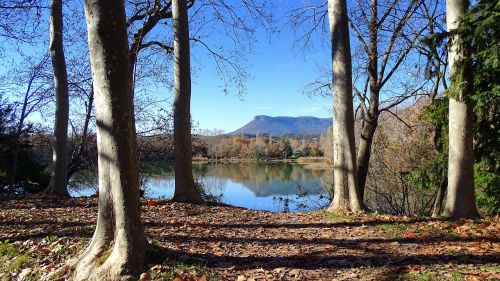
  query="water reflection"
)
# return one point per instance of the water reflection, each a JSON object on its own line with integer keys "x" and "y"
{"x": 258, "y": 186}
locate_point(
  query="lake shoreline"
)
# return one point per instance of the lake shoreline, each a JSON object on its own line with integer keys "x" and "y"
{"x": 312, "y": 162}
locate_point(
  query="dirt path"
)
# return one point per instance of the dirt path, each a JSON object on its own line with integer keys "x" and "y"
{"x": 239, "y": 244}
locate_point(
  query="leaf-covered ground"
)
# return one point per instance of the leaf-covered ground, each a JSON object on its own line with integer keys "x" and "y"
{"x": 200, "y": 242}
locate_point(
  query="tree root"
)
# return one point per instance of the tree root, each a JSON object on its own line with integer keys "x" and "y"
{"x": 104, "y": 264}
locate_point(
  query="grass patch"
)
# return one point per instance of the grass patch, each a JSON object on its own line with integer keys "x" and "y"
{"x": 164, "y": 200}
{"x": 492, "y": 267}
{"x": 155, "y": 242}
{"x": 457, "y": 275}
{"x": 368, "y": 271}
{"x": 102, "y": 258}
{"x": 12, "y": 259}
{"x": 51, "y": 238}
{"x": 182, "y": 271}
{"x": 424, "y": 276}
{"x": 17, "y": 263}
{"x": 34, "y": 277}
{"x": 65, "y": 251}
{"x": 432, "y": 273}
{"x": 8, "y": 250}
{"x": 64, "y": 218}
{"x": 337, "y": 217}
{"x": 393, "y": 229}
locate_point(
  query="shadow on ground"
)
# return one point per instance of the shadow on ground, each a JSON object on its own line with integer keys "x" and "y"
{"x": 226, "y": 238}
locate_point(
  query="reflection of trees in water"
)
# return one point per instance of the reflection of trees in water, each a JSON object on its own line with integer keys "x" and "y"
{"x": 200, "y": 169}
{"x": 212, "y": 185}
{"x": 259, "y": 172}
{"x": 159, "y": 170}
{"x": 155, "y": 186}
{"x": 326, "y": 182}
{"x": 266, "y": 179}
{"x": 262, "y": 179}
{"x": 83, "y": 180}
{"x": 303, "y": 200}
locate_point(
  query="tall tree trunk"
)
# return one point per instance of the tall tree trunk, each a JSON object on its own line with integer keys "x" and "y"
{"x": 19, "y": 130}
{"x": 364, "y": 153}
{"x": 460, "y": 201}
{"x": 370, "y": 117}
{"x": 344, "y": 174}
{"x": 15, "y": 157}
{"x": 441, "y": 189}
{"x": 438, "y": 202}
{"x": 119, "y": 238}
{"x": 78, "y": 157}
{"x": 58, "y": 182}
{"x": 185, "y": 189}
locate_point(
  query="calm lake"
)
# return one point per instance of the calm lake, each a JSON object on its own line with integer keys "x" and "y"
{"x": 276, "y": 187}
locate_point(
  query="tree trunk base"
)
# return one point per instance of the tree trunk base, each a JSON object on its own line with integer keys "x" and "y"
{"x": 50, "y": 190}
{"x": 335, "y": 208}
{"x": 99, "y": 263}
{"x": 459, "y": 214}
{"x": 189, "y": 193}
{"x": 188, "y": 198}
{"x": 438, "y": 203}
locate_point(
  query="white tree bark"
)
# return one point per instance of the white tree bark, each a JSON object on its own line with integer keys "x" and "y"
{"x": 119, "y": 240}
{"x": 345, "y": 183}
{"x": 460, "y": 200}
{"x": 58, "y": 182}
{"x": 185, "y": 189}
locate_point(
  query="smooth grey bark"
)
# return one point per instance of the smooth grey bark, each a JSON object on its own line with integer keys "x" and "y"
{"x": 119, "y": 237}
{"x": 460, "y": 200}
{"x": 59, "y": 180}
{"x": 185, "y": 189}
{"x": 346, "y": 195}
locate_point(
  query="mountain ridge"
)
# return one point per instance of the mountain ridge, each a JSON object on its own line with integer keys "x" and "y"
{"x": 285, "y": 125}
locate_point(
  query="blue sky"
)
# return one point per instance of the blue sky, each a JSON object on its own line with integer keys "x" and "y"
{"x": 279, "y": 72}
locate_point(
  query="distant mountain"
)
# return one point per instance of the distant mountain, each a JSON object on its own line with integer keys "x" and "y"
{"x": 280, "y": 126}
